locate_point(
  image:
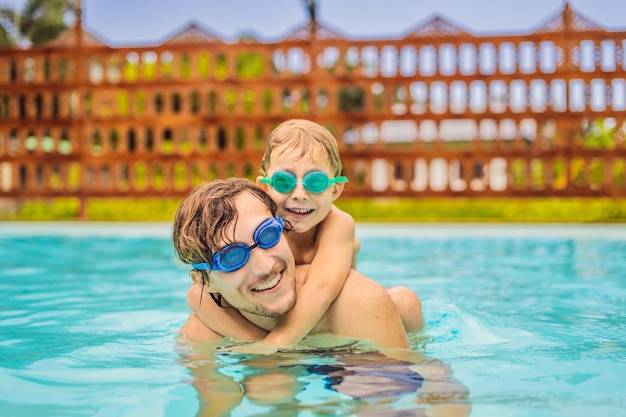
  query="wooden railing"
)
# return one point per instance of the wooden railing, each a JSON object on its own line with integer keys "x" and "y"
{"x": 438, "y": 112}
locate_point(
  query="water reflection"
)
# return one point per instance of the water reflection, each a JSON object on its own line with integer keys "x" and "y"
{"x": 342, "y": 381}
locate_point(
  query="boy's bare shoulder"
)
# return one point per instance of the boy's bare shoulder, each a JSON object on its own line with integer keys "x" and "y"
{"x": 339, "y": 224}
{"x": 339, "y": 212}
{"x": 338, "y": 216}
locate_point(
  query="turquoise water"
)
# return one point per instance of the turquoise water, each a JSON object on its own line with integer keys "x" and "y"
{"x": 522, "y": 320}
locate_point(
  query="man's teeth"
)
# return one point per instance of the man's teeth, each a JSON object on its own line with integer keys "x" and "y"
{"x": 299, "y": 210}
{"x": 268, "y": 284}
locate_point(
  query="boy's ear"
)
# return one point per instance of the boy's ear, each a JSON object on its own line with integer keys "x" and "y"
{"x": 337, "y": 190}
{"x": 260, "y": 184}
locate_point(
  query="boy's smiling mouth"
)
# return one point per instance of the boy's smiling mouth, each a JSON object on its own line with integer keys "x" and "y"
{"x": 298, "y": 211}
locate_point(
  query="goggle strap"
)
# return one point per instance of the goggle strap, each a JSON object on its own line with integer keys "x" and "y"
{"x": 332, "y": 181}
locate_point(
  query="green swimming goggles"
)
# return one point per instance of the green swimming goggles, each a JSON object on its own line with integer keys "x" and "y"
{"x": 316, "y": 181}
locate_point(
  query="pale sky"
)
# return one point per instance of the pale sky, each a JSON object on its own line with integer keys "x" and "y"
{"x": 150, "y": 22}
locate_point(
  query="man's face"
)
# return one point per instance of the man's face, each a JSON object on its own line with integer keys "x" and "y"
{"x": 265, "y": 285}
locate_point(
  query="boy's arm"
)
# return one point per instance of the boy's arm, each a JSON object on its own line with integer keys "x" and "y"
{"x": 328, "y": 272}
{"x": 224, "y": 321}
{"x": 195, "y": 331}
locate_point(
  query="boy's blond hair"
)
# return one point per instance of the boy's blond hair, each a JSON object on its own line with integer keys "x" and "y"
{"x": 306, "y": 139}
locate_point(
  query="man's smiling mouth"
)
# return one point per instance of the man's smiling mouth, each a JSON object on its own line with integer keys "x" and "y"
{"x": 269, "y": 284}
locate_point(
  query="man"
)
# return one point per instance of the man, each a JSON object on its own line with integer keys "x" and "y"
{"x": 228, "y": 231}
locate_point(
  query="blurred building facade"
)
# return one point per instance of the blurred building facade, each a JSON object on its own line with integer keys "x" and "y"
{"x": 437, "y": 112}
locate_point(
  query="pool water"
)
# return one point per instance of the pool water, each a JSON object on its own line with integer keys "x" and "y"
{"x": 523, "y": 320}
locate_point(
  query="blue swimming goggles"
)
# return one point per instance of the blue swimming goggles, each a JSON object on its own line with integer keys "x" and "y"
{"x": 316, "y": 181}
{"x": 234, "y": 256}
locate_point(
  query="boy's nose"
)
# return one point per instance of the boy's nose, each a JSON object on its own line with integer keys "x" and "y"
{"x": 299, "y": 192}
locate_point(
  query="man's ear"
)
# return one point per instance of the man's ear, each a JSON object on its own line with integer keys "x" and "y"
{"x": 337, "y": 190}
{"x": 197, "y": 278}
{"x": 262, "y": 185}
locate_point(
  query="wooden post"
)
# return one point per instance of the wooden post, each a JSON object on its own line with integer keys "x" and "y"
{"x": 77, "y": 128}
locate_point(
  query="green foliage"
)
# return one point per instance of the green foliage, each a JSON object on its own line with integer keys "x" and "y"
{"x": 203, "y": 64}
{"x": 221, "y": 67}
{"x": 212, "y": 102}
{"x": 537, "y": 173}
{"x": 596, "y": 173}
{"x": 487, "y": 209}
{"x": 249, "y": 65}
{"x": 247, "y": 37}
{"x": 577, "y": 172}
{"x": 141, "y": 176}
{"x": 619, "y": 179}
{"x": 131, "y": 71}
{"x": 536, "y": 210}
{"x": 180, "y": 176}
{"x": 600, "y": 134}
{"x": 140, "y": 103}
{"x": 351, "y": 99}
{"x": 240, "y": 142}
{"x": 248, "y": 101}
{"x": 149, "y": 70}
{"x": 559, "y": 180}
{"x": 120, "y": 209}
{"x": 185, "y": 67}
{"x": 39, "y": 22}
{"x": 167, "y": 67}
{"x": 55, "y": 209}
{"x": 267, "y": 100}
{"x": 518, "y": 173}
{"x": 230, "y": 100}
{"x": 6, "y": 39}
{"x": 123, "y": 103}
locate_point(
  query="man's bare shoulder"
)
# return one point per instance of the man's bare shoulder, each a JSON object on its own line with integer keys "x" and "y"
{"x": 362, "y": 289}
{"x": 364, "y": 310}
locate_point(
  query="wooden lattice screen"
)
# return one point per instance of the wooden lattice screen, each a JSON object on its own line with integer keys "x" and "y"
{"x": 438, "y": 112}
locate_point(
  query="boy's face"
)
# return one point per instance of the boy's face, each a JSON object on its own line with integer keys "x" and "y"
{"x": 301, "y": 208}
{"x": 265, "y": 285}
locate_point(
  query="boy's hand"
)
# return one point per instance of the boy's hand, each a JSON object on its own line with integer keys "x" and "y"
{"x": 256, "y": 348}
